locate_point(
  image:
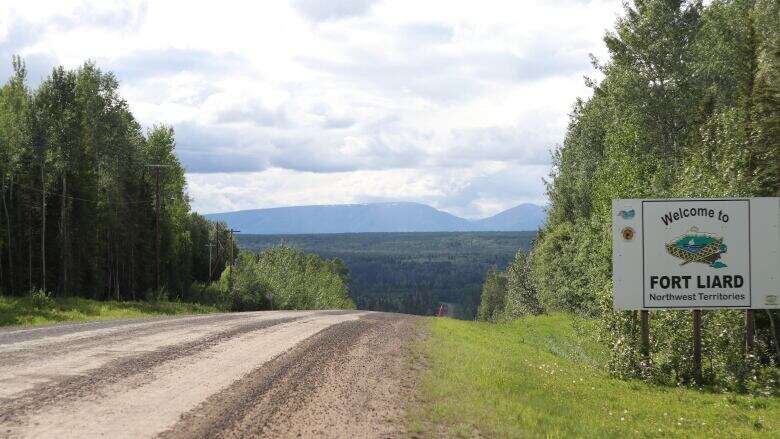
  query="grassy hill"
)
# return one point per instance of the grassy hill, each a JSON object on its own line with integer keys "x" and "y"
{"x": 539, "y": 377}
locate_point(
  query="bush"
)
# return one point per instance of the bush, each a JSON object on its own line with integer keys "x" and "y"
{"x": 209, "y": 294}
{"x": 286, "y": 278}
{"x": 41, "y": 300}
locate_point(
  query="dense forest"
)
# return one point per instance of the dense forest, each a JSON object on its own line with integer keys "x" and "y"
{"x": 78, "y": 197}
{"x": 409, "y": 272}
{"x": 689, "y": 106}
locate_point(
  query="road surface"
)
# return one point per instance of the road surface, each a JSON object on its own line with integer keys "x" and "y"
{"x": 270, "y": 374}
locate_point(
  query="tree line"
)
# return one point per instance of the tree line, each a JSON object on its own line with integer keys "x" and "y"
{"x": 79, "y": 196}
{"x": 688, "y": 106}
{"x": 410, "y": 273}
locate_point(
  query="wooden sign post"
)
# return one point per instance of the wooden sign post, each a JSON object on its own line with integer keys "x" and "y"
{"x": 645, "y": 323}
{"x": 697, "y": 346}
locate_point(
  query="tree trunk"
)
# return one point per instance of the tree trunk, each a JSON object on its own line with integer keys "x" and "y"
{"x": 29, "y": 246}
{"x": 10, "y": 247}
{"x": 64, "y": 243}
{"x": 43, "y": 228}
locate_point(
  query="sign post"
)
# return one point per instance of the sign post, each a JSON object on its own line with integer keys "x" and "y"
{"x": 696, "y": 254}
{"x": 697, "y": 346}
{"x": 645, "y": 325}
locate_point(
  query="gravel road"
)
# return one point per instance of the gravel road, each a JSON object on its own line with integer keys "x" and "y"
{"x": 259, "y": 374}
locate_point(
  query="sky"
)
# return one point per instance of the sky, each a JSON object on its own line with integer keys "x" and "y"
{"x": 456, "y": 104}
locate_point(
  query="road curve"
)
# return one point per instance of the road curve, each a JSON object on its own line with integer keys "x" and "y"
{"x": 270, "y": 374}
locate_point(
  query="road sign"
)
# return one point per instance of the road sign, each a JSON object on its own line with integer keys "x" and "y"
{"x": 696, "y": 253}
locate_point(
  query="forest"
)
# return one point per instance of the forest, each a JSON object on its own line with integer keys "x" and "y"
{"x": 409, "y": 272}
{"x": 82, "y": 185}
{"x": 79, "y": 195}
{"x": 688, "y": 106}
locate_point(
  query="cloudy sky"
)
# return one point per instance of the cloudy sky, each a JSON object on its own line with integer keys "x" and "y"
{"x": 276, "y": 103}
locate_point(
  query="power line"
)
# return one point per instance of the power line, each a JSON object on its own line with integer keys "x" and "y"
{"x": 121, "y": 203}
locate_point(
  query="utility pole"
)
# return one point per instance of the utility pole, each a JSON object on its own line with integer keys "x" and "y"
{"x": 232, "y": 242}
{"x": 232, "y": 259}
{"x": 43, "y": 225}
{"x": 156, "y": 168}
{"x": 210, "y": 245}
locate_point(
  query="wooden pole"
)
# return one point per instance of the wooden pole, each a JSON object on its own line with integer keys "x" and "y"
{"x": 43, "y": 226}
{"x": 645, "y": 322}
{"x": 209, "y": 245}
{"x": 157, "y": 229}
{"x": 697, "y": 346}
{"x": 749, "y": 330}
{"x": 232, "y": 259}
{"x": 156, "y": 168}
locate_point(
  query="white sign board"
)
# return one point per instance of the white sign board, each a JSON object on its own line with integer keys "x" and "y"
{"x": 696, "y": 253}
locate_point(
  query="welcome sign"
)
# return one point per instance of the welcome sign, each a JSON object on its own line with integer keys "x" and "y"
{"x": 696, "y": 253}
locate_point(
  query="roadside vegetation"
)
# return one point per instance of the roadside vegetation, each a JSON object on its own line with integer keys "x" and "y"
{"x": 39, "y": 309}
{"x": 541, "y": 376}
{"x": 78, "y": 215}
{"x": 279, "y": 278}
{"x": 688, "y": 106}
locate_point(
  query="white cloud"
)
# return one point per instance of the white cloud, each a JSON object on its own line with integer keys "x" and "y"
{"x": 274, "y": 103}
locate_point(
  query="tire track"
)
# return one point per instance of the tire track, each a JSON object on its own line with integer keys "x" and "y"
{"x": 346, "y": 381}
{"x": 145, "y": 395}
{"x": 71, "y": 388}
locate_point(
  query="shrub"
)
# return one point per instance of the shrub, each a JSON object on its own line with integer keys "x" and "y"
{"x": 41, "y": 300}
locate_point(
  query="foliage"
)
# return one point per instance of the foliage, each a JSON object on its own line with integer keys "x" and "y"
{"x": 410, "y": 272}
{"x": 521, "y": 295}
{"x": 285, "y": 278}
{"x": 493, "y": 301}
{"x": 687, "y": 107}
{"x": 78, "y": 200}
{"x": 41, "y": 300}
{"x": 24, "y": 311}
{"x": 538, "y": 376}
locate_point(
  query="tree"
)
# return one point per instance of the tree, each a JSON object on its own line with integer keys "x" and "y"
{"x": 493, "y": 300}
{"x": 521, "y": 296}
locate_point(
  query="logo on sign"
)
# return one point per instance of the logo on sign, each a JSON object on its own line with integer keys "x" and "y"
{"x": 627, "y": 214}
{"x": 694, "y": 246}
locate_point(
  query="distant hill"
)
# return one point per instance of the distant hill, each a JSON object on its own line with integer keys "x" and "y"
{"x": 519, "y": 218}
{"x": 374, "y": 217}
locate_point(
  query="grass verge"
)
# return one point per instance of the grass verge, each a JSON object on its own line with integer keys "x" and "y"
{"x": 24, "y": 311}
{"x": 536, "y": 377}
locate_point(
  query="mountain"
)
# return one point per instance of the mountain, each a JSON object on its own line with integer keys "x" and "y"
{"x": 519, "y": 218}
{"x": 373, "y": 217}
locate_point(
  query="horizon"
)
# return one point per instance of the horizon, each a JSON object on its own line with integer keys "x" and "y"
{"x": 542, "y": 206}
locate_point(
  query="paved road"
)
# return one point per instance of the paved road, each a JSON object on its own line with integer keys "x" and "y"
{"x": 270, "y": 374}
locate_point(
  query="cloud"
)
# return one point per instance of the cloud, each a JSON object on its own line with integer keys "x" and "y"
{"x": 455, "y": 104}
{"x": 150, "y": 64}
{"x": 102, "y": 14}
{"x": 318, "y": 10}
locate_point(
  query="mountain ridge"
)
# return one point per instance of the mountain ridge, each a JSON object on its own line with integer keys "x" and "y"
{"x": 374, "y": 217}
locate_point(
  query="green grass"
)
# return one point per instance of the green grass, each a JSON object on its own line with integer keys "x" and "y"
{"x": 22, "y": 311}
{"x": 536, "y": 377}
